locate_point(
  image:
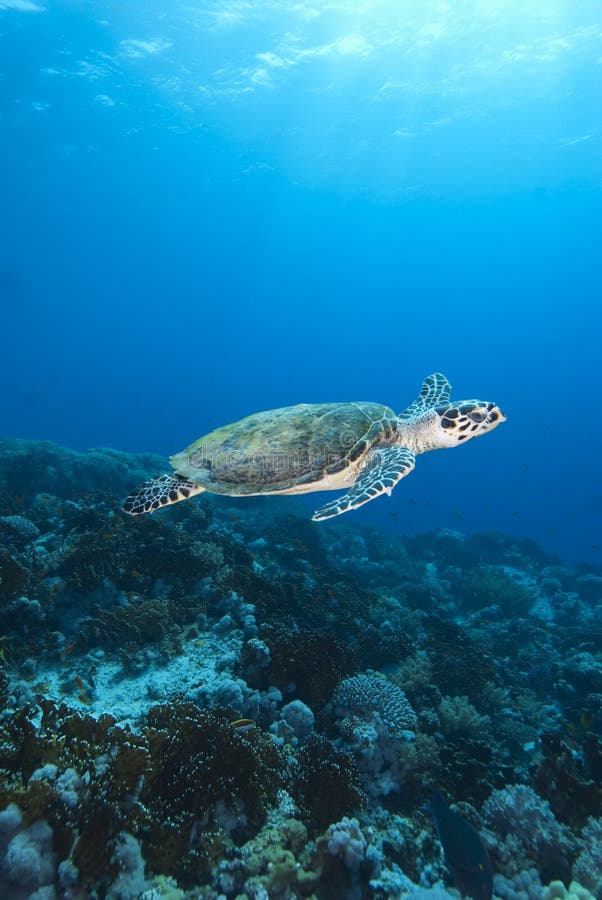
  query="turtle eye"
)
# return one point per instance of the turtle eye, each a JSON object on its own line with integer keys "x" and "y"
{"x": 477, "y": 416}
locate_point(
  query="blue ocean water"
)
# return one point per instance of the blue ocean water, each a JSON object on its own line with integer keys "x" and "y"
{"x": 210, "y": 209}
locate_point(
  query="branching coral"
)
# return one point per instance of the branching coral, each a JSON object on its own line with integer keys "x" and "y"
{"x": 327, "y": 785}
{"x": 587, "y": 869}
{"x": 457, "y": 716}
{"x": 313, "y": 661}
{"x": 201, "y": 765}
{"x": 136, "y": 624}
{"x": 78, "y": 811}
{"x": 526, "y": 825}
{"x": 272, "y": 861}
{"x": 188, "y": 784}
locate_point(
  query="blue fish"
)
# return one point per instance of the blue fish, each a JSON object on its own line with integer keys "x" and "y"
{"x": 465, "y": 852}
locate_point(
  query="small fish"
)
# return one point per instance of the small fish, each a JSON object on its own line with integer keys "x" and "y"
{"x": 465, "y": 852}
{"x": 244, "y": 725}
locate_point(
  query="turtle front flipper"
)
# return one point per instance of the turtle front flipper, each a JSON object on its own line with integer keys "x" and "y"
{"x": 160, "y": 492}
{"x": 384, "y": 468}
{"x": 435, "y": 389}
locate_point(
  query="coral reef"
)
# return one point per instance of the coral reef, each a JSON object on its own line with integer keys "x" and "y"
{"x": 525, "y": 828}
{"x": 225, "y": 701}
{"x": 587, "y": 869}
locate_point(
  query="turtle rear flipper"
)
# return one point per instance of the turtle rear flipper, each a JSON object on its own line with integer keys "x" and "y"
{"x": 385, "y": 467}
{"x": 160, "y": 492}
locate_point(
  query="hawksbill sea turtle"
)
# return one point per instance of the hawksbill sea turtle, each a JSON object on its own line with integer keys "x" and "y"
{"x": 362, "y": 448}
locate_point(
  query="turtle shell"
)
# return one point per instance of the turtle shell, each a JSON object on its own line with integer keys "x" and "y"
{"x": 279, "y": 449}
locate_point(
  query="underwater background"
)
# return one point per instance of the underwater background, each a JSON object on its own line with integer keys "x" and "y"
{"x": 213, "y": 208}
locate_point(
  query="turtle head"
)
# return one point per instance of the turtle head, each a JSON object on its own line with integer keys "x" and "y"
{"x": 459, "y": 422}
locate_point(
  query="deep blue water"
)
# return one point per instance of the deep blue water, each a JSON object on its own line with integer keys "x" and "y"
{"x": 212, "y": 209}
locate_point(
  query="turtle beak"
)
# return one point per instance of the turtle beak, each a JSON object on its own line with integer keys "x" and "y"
{"x": 495, "y": 416}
